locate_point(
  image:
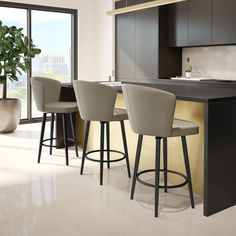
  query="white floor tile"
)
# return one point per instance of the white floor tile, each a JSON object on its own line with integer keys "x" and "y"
{"x": 53, "y": 199}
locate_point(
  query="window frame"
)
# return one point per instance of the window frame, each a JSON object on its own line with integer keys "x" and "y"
{"x": 74, "y": 44}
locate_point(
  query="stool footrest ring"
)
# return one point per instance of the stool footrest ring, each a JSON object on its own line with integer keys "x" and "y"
{"x": 105, "y": 150}
{"x": 162, "y": 186}
{"x": 49, "y": 139}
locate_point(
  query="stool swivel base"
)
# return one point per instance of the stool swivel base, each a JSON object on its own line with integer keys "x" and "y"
{"x": 157, "y": 170}
{"x": 65, "y": 138}
{"x": 102, "y": 150}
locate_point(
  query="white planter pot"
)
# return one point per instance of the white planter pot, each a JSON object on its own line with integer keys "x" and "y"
{"x": 10, "y": 113}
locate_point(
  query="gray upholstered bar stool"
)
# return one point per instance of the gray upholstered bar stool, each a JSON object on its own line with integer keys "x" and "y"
{"x": 47, "y": 93}
{"x": 96, "y": 103}
{"x": 151, "y": 112}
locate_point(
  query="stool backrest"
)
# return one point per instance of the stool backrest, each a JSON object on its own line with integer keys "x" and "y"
{"x": 95, "y": 101}
{"x": 150, "y": 110}
{"x": 45, "y": 91}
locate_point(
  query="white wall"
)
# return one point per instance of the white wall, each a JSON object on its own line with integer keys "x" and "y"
{"x": 217, "y": 62}
{"x": 103, "y": 40}
{"x": 95, "y": 35}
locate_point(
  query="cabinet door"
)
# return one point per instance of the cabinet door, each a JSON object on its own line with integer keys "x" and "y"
{"x": 223, "y": 22}
{"x": 124, "y": 3}
{"x": 125, "y": 46}
{"x": 199, "y": 27}
{"x": 120, "y": 4}
{"x": 147, "y": 44}
{"x": 178, "y": 24}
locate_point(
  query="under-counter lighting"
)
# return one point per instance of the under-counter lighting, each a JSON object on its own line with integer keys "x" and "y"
{"x": 142, "y": 6}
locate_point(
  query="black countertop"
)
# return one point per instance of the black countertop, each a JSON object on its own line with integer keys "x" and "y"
{"x": 197, "y": 91}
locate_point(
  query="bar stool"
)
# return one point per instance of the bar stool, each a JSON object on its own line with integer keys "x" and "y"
{"x": 151, "y": 112}
{"x": 96, "y": 103}
{"x": 47, "y": 93}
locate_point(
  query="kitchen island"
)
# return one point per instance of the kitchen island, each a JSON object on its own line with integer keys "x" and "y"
{"x": 212, "y": 105}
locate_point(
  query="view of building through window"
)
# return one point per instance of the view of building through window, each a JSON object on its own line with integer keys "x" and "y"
{"x": 51, "y": 32}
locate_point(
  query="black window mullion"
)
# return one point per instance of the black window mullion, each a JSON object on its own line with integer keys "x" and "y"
{"x": 74, "y": 46}
{"x": 29, "y": 73}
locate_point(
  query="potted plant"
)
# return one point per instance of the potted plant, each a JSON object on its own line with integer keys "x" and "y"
{"x": 16, "y": 53}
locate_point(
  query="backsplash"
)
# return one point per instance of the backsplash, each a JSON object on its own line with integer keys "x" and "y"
{"x": 214, "y": 62}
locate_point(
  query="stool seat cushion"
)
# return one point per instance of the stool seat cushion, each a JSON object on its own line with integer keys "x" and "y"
{"x": 61, "y": 107}
{"x": 119, "y": 114}
{"x": 183, "y": 128}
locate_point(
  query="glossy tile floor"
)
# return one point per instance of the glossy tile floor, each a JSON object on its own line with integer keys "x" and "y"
{"x": 51, "y": 199}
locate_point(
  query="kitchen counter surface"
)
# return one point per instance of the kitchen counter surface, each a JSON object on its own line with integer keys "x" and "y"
{"x": 205, "y": 91}
{"x": 197, "y": 91}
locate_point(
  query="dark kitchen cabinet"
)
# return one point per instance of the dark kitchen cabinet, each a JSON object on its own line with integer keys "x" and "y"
{"x": 126, "y": 58}
{"x": 146, "y": 44}
{"x": 125, "y": 3}
{"x": 223, "y": 22}
{"x": 199, "y": 24}
{"x": 142, "y": 51}
{"x": 126, "y": 50}
{"x": 136, "y": 45}
{"x": 178, "y": 24}
{"x": 190, "y": 23}
{"x": 120, "y": 4}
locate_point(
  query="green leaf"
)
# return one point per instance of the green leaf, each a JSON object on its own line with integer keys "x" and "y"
{"x": 22, "y": 67}
{"x": 19, "y": 72}
{"x": 36, "y": 50}
{"x": 15, "y": 52}
{"x": 26, "y": 40}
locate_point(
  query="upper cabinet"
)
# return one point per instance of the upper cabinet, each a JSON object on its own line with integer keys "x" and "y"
{"x": 223, "y": 22}
{"x": 142, "y": 51}
{"x": 178, "y": 24}
{"x": 146, "y": 44}
{"x": 199, "y": 22}
{"x": 202, "y": 23}
{"x": 125, "y": 39}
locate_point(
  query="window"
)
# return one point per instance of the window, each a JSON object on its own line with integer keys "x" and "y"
{"x": 54, "y": 31}
{"x": 51, "y": 32}
{"x": 17, "y": 17}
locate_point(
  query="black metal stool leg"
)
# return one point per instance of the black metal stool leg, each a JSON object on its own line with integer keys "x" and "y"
{"x": 65, "y": 138}
{"x": 85, "y": 146}
{"x": 157, "y": 174}
{"x": 125, "y": 147}
{"x": 187, "y": 166}
{"x": 51, "y": 132}
{"x": 41, "y": 136}
{"x": 108, "y": 144}
{"x": 165, "y": 163}
{"x": 136, "y": 165}
{"x": 102, "y": 152}
{"x": 74, "y": 135}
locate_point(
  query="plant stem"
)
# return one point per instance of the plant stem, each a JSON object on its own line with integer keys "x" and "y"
{"x": 4, "y": 91}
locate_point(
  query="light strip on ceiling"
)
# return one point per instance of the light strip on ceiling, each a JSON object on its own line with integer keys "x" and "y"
{"x": 142, "y": 6}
